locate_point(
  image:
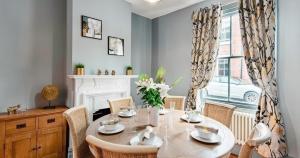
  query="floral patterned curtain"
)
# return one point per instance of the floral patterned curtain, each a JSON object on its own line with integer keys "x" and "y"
{"x": 206, "y": 28}
{"x": 257, "y": 20}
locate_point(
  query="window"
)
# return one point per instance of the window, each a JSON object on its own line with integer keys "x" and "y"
{"x": 231, "y": 83}
{"x": 223, "y": 67}
{"x": 225, "y": 31}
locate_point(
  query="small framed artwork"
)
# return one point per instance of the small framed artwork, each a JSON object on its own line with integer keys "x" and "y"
{"x": 115, "y": 46}
{"x": 91, "y": 27}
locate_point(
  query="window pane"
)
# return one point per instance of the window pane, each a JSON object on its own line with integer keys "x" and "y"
{"x": 217, "y": 88}
{"x": 241, "y": 88}
{"x": 237, "y": 46}
{"x": 225, "y": 31}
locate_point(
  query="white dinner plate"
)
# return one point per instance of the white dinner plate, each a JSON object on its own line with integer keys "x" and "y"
{"x": 126, "y": 113}
{"x": 205, "y": 137}
{"x": 119, "y": 128}
{"x": 197, "y": 119}
{"x": 153, "y": 141}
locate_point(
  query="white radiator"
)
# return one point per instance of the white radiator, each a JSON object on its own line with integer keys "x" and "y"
{"x": 241, "y": 125}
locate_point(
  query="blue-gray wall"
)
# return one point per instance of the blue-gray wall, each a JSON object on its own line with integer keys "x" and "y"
{"x": 116, "y": 20}
{"x": 141, "y": 34}
{"x": 32, "y": 50}
{"x": 171, "y": 48}
{"x": 288, "y": 70}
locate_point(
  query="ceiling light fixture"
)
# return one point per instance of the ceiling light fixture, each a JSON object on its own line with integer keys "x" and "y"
{"x": 152, "y": 1}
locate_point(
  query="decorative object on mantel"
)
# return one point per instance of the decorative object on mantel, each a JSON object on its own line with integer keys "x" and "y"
{"x": 154, "y": 92}
{"x": 106, "y": 72}
{"x": 99, "y": 72}
{"x": 79, "y": 69}
{"x": 113, "y": 72}
{"x": 129, "y": 70}
{"x": 91, "y": 27}
{"x": 13, "y": 109}
{"x": 115, "y": 46}
{"x": 50, "y": 93}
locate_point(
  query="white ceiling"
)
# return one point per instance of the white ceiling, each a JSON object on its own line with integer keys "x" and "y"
{"x": 163, "y": 7}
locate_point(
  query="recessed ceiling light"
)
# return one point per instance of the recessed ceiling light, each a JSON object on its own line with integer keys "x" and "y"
{"x": 152, "y": 1}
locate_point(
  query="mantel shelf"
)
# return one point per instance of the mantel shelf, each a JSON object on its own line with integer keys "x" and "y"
{"x": 101, "y": 76}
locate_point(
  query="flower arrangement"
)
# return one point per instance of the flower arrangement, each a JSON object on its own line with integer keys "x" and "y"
{"x": 152, "y": 91}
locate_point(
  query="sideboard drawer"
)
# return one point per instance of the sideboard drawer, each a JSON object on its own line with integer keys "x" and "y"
{"x": 22, "y": 125}
{"x": 50, "y": 120}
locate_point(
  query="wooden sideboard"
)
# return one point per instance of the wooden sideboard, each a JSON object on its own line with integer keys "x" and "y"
{"x": 36, "y": 133}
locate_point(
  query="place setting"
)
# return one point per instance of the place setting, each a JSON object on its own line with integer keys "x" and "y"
{"x": 146, "y": 137}
{"x": 206, "y": 134}
{"x": 126, "y": 112}
{"x": 110, "y": 126}
{"x": 192, "y": 117}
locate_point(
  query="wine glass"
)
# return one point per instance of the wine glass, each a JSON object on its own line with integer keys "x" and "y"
{"x": 188, "y": 113}
{"x": 172, "y": 106}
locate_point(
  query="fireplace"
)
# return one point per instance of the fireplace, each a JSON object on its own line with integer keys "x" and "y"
{"x": 94, "y": 91}
{"x": 100, "y": 113}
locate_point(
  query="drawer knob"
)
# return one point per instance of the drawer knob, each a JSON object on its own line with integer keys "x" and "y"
{"x": 51, "y": 120}
{"x": 19, "y": 126}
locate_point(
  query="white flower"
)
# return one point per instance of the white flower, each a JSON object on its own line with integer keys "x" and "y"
{"x": 163, "y": 89}
{"x": 149, "y": 83}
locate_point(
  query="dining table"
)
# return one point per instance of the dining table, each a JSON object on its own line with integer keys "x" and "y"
{"x": 175, "y": 133}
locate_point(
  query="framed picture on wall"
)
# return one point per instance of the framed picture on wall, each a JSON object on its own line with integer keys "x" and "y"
{"x": 91, "y": 27}
{"x": 115, "y": 46}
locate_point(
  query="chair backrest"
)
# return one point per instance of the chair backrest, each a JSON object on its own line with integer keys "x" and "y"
{"x": 178, "y": 100}
{"x": 259, "y": 135}
{"x": 220, "y": 112}
{"x": 77, "y": 118}
{"x": 104, "y": 149}
{"x": 116, "y": 104}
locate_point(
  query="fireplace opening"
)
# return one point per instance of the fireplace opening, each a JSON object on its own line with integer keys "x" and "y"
{"x": 100, "y": 113}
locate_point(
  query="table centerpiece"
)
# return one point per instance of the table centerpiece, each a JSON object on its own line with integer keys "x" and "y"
{"x": 153, "y": 92}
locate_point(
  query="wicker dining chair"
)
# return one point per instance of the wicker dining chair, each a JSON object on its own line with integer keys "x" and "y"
{"x": 178, "y": 100}
{"x": 77, "y": 118}
{"x": 116, "y": 104}
{"x": 102, "y": 149}
{"x": 259, "y": 135}
{"x": 220, "y": 112}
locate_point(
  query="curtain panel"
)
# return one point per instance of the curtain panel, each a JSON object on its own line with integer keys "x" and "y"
{"x": 258, "y": 27}
{"x": 206, "y": 29}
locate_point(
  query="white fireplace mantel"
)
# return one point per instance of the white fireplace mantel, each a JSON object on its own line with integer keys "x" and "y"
{"x": 102, "y": 76}
{"x": 93, "y": 91}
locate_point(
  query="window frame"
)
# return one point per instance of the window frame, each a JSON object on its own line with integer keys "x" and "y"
{"x": 230, "y": 10}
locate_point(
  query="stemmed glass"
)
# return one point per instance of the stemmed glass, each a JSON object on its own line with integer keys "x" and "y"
{"x": 172, "y": 106}
{"x": 188, "y": 112}
{"x": 134, "y": 118}
{"x": 170, "y": 116}
{"x": 148, "y": 114}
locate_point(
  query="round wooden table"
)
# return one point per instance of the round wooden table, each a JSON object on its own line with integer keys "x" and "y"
{"x": 174, "y": 132}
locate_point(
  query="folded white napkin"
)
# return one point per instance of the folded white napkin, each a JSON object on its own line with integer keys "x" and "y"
{"x": 148, "y": 131}
{"x": 207, "y": 128}
{"x": 146, "y": 136}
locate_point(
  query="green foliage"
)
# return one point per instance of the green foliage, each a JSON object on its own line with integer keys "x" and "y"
{"x": 176, "y": 82}
{"x": 129, "y": 67}
{"x": 160, "y": 75}
{"x": 79, "y": 65}
{"x": 143, "y": 77}
{"x": 151, "y": 97}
